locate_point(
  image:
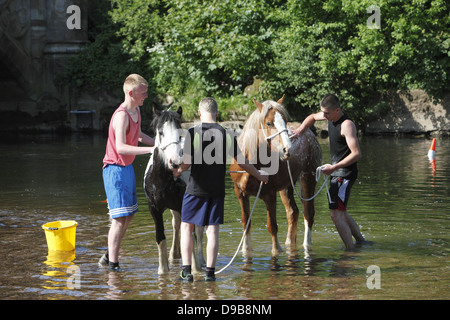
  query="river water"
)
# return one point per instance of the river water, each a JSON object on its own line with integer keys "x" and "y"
{"x": 401, "y": 205}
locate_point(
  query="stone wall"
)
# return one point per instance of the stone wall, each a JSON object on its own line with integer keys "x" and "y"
{"x": 413, "y": 113}
{"x": 36, "y": 43}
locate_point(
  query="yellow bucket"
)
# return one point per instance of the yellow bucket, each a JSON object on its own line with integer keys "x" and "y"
{"x": 60, "y": 235}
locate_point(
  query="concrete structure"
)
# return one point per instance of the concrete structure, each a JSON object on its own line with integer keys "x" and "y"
{"x": 413, "y": 112}
{"x": 37, "y": 39}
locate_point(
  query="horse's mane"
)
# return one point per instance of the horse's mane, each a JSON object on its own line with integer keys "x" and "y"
{"x": 249, "y": 138}
{"x": 166, "y": 116}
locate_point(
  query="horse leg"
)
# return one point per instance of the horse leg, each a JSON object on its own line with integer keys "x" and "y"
{"x": 245, "y": 208}
{"x": 308, "y": 182}
{"x": 175, "y": 252}
{"x": 160, "y": 241}
{"x": 197, "y": 254}
{"x": 287, "y": 197}
{"x": 270, "y": 200}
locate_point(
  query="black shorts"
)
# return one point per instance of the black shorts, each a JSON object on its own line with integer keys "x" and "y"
{"x": 340, "y": 193}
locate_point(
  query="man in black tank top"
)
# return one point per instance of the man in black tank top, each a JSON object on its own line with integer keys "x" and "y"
{"x": 345, "y": 152}
{"x": 205, "y": 152}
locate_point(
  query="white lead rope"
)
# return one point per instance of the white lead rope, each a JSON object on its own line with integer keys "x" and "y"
{"x": 246, "y": 228}
{"x": 318, "y": 174}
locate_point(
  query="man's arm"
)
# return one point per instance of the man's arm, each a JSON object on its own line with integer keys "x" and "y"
{"x": 247, "y": 166}
{"x": 308, "y": 122}
{"x": 250, "y": 168}
{"x": 145, "y": 139}
{"x": 186, "y": 164}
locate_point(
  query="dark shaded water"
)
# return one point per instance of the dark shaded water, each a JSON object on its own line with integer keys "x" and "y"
{"x": 398, "y": 202}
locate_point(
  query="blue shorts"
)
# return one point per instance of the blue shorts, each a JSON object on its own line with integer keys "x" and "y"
{"x": 120, "y": 188}
{"x": 202, "y": 211}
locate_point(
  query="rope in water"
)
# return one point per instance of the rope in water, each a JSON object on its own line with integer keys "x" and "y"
{"x": 246, "y": 228}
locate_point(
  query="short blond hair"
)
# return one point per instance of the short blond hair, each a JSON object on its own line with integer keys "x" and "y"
{"x": 132, "y": 82}
{"x": 208, "y": 105}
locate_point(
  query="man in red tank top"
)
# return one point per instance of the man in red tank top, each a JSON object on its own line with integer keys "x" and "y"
{"x": 118, "y": 174}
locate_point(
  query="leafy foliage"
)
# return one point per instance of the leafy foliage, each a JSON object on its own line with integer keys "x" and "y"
{"x": 220, "y": 44}
{"x": 304, "y": 48}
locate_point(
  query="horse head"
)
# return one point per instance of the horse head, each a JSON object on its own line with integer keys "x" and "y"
{"x": 168, "y": 133}
{"x": 273, "y": 119}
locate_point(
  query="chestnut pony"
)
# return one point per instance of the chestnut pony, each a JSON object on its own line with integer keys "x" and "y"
{"x": 265, "y": 142}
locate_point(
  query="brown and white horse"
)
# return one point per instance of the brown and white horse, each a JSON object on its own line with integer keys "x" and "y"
{"x": 265, "y": 142}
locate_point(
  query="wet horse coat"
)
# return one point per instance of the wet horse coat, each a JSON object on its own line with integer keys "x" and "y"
{"x": 163, "y": 191}
{"x": 264, "y": 137}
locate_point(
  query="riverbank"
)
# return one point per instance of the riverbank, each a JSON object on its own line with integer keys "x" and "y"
{"x": 411, "y": 113}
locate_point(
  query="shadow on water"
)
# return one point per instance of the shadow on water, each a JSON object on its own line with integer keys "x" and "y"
{"x": 399, "y": 203}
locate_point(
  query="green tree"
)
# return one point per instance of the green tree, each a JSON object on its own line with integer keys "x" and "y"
{"x": 140, "y": 24}
{"x": 304, "y": 48}
{"x": 328, "y": 47}
{"x": 105, "y": 62}
{"x": 219, "y": 45}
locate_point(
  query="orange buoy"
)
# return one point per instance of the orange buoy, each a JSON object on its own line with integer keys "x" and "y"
{"x": 433, "y": 166}
{"x": 432, "y": 151}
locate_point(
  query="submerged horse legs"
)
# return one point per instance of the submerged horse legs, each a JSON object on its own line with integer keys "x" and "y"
{"x": 270, "y": 200}
{"x": 272, "y": 226}
{"x": 245, "y": 208}
{"x": 175, "y": 252}
{"x": 308, "y": 182}
{"x": 198, "y": 259}
{"x": 287, "y": 197}
{"x": 160, "y": 241}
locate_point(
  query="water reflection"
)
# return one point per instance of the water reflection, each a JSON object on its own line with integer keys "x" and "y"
{"x": 199, "y": 290}
{"x": 399, "y": 202}
{"x": 59, "y": 269}
{"x": 116, "y": 285}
